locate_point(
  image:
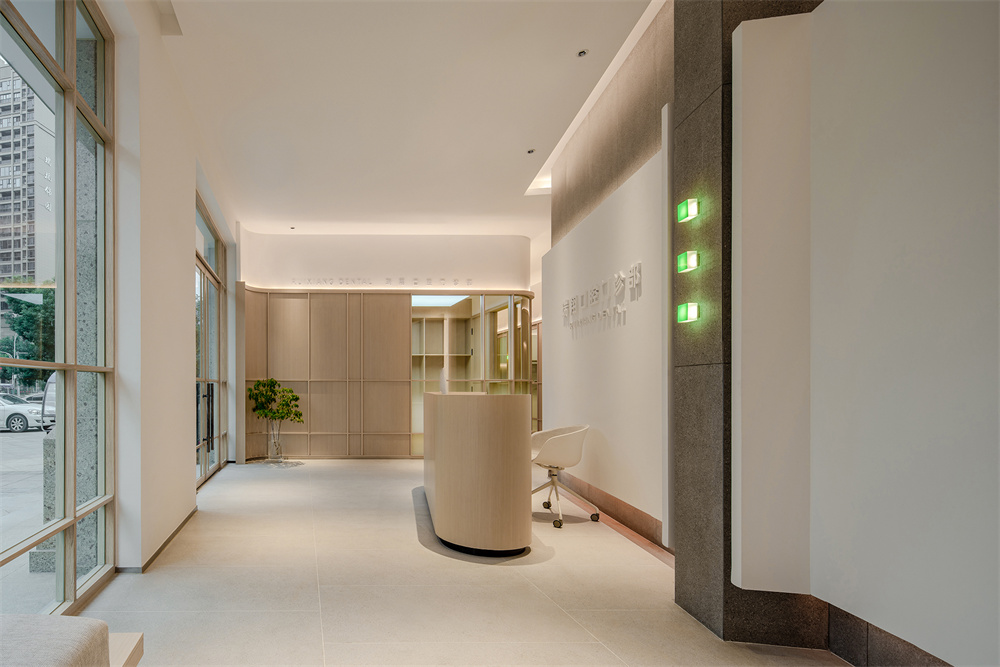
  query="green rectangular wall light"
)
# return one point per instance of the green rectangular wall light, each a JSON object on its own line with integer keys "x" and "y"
{"x": 687, "y": 261}
{"x": 687, "y": 210}
{"x": 687, "y": 312}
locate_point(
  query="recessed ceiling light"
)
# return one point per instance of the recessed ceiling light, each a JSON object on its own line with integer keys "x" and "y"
{"x": 582, "y": 53}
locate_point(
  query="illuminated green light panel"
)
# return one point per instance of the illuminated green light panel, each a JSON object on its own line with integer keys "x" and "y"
{"x": 687, "y": 210}
{"x": 687, "y": 312}
{"x": 687, "y": 261}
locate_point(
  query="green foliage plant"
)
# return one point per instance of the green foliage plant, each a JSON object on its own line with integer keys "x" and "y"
{"x": 274, "y": 404}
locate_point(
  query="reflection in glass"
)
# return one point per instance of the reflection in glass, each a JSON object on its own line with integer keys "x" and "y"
{"x": 31, "y": 469}
{"x": 89, "y": 436}
{"x": 31, "y": 583}
{"x": 212, "y": 316}
{"x": 198, "y": 280}
{"x": 30, "y": 213}
{"x": 89, "y": 246}
{"x": 89, "y": 61}
{"x": 90, "y": 543}
{"x": 205, "y": 241}
{"x": 45, "y": 18}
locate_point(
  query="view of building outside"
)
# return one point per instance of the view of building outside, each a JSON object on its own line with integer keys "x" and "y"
{"x": 28, "y": 210}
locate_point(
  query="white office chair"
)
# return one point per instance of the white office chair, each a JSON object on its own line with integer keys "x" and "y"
{"x": 555, "y": 450}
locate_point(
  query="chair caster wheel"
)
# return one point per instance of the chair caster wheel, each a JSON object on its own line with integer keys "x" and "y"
{"x": 557, "y": 523}
{"x": 546, "y": 504}
{"x": 595, "y": 517}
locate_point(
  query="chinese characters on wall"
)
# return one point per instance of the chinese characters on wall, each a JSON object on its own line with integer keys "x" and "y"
{"x": 604, "y": 305}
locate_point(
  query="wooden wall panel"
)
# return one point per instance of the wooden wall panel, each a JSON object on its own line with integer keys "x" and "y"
{"x": 386, "y": 336}
{"x": 253, "y": 424}
{"x": 354, "y": 407}
{"x": 328, "y": 336}
{"x": 288, "y": 336}
{"x": 386, "y": 408}
{"x": 387, "y": 445}
{"x": 354, "y": 336}
{"x": 302, "y": 390}
{"x": 256, "y": 446}
{"x": 354, "y": 444}
{"x": 294, "y": 444}
{"x": 255, "y": 328}
{"x": 327, "y": 407}
{"x": 328, "y": 445}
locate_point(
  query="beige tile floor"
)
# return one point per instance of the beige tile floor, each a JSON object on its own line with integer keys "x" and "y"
{"x": 336, "y": 563}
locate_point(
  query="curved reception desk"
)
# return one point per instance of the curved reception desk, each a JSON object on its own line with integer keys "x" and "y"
{"x": 477, "y": 471}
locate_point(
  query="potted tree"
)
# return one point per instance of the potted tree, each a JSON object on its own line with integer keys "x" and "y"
{"x": 274, "y": 404}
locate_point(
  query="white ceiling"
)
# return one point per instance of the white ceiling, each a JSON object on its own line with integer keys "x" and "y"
{"x": 391, "y": 117}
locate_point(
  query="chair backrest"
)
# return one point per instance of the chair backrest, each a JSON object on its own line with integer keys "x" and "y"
{"x": 562, "y": 447}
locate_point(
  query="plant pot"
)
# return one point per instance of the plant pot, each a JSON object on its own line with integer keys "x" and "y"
{"x": 274, "y": 450}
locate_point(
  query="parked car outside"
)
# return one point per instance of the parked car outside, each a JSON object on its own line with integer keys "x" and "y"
{"x": 49, "y": 400}
{"x": 17, "y": 415}
{"x": 35, "y": 398}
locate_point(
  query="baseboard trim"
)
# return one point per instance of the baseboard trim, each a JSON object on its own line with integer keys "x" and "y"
{"x": 631, "y": 517}
{"x": 862, "y": 644}
{"x": 141, "y": 570}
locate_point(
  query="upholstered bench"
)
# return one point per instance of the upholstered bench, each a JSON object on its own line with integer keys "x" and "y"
{"x": 64, "y": 641}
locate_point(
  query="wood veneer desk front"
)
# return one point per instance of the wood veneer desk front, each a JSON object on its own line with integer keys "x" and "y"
{"x": 477, "y": 470}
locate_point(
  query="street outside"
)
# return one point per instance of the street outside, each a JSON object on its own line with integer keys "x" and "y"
{"x": 22, "y": 591}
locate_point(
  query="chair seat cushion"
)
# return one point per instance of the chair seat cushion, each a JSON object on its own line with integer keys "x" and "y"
{"x": 27, "y": 640}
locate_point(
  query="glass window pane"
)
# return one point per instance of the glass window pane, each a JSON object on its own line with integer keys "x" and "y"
{"x": 89, "y": 545}
{"x": 89, "y": 246}
{"x": 89, "y": 61}
{"x": 31, "y": 206}
{"x": 213, "y": 330}
{"x": 205, "y": 241}
{"x": 198, "y": 280}
{"x": 32, "y": 583}
{"x": 89, "y": 437}
{"x": 31, "y": 465}
{"x": 45, "y": 18}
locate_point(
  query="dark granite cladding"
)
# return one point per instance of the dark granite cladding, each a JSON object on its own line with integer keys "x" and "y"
{"x": 848, "y": 637}
{"x": 885, "y": 650}
{"x": 697, "y": 54}
{"x": 763, "y": 617}
{"x": 703, "y": 169}
{"x": 727, "y": 228}
{"x": 698, "y": 509}
{"x": 698, "y": 165}
{"x": 734, "y": 13}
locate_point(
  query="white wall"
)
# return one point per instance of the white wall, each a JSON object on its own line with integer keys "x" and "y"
{"x": 610, "y": 376}
{"x": 770, "y": 274}
{"x": 903, "y": 312}
{"x": 157, "y": 157}
{"x": 904, "y": 323}
{"x": 371, "y": 262}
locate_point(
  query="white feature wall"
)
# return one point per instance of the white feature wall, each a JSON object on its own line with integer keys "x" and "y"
{"x": 372, "y": 262}
{"x": 157, "y": 154}
{"x": 904, "y": 325}
{"x": 606, "y": 374}
{"x": 903, "y": 313}
{"x": 770, "y": 322}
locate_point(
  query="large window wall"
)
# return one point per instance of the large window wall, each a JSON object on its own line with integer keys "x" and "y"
{"x": 56, "y": 296}
{"x": 210, "y": 387}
